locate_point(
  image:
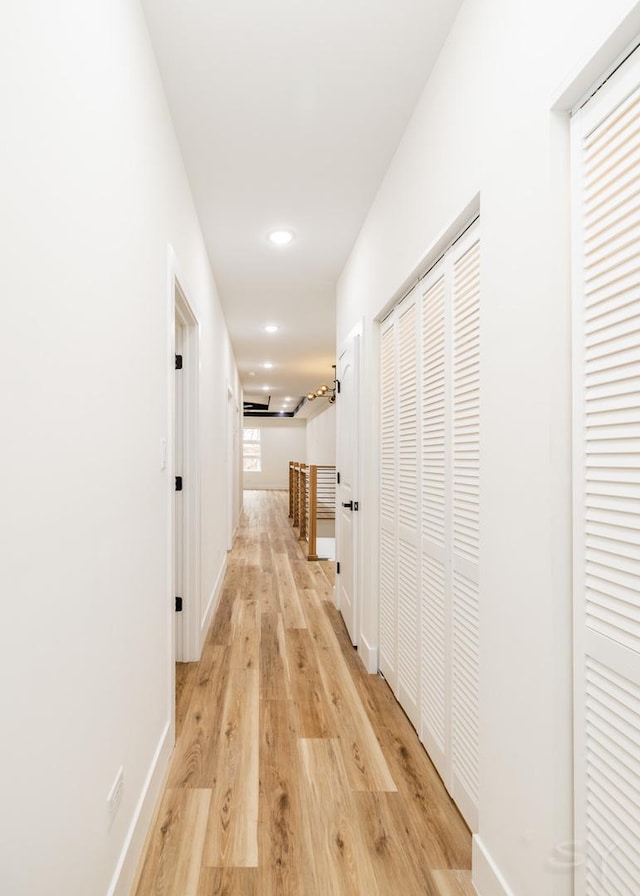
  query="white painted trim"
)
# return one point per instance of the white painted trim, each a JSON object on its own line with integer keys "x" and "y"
{"x": 131, "y": 852}
{"x": 368, "y": 655}
{"x": 434, "y": 252}
{"x": 486, "y": 876}
{"x": 213, "y": 600}
{"x": 598, "y": 62}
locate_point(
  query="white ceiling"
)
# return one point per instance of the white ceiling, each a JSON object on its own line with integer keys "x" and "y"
{"x": 288, "y": 113}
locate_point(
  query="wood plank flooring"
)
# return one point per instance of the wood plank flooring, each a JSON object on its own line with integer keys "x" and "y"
{"x": 294, "y": 773}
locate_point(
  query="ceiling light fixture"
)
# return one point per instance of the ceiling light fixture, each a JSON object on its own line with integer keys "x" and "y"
{"x": 271, "y": 328}
{"x": 267, "y": 365}
{"x": 319, "y": 393}
{"x": 325, "y": 391}
{"x": 281, "y": 237}
{"x": 265, "y": 388}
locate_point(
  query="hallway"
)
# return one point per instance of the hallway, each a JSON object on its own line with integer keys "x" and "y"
{"x": 294, "y": 771}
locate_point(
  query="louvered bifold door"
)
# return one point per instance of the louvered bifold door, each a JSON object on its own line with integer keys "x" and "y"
{"x": 388, "y": 504}
{"x": 408, "y": 492}
{"x": 465, "y": 618}
{"x": 435, "y": 622}
{"x": 606, "y": 177}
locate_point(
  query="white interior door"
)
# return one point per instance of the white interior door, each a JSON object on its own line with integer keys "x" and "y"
{"x": 178, "y": 516}
{"x": 465, "y": 524}
{"x": 430, "y": 513}
{"x": 606, "y": 325}
{"x": 388, "y": 564}
{"x": 408, "y": 508}
{"x": 347, "y": 507}
{"x": 435, "y": 729}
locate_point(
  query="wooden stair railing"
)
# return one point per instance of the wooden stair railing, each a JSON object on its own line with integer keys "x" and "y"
{"x": 296, "y": 495}
{"x": 292, "y": 475}
{"x": 303, "y": 482}
{"x": 322, "y": 501}
{"x": 312, "y": 498}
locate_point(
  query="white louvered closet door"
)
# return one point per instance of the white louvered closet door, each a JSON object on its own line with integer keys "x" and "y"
{"x": 606, "y": 167}
{"x": 408, "y": 497}
{"x": 388, "y": 659}
{"x": 430, "y": 513}
{"x": 465, "y": 524}
{"x": 435, "y": 729}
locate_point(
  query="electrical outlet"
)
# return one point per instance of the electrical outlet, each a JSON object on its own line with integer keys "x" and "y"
{"x": 115, "y": 795}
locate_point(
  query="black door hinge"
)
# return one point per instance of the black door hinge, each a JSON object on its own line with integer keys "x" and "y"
{"x": 338, "y": 386}
{"x": 355, "y": 505}
{"x": 178, "y": 362}
{"x": 178, "y": 483}
{"x": 178, "y": 605}
{"x": 338, "y": 568}
{"x": 338, "y": 478}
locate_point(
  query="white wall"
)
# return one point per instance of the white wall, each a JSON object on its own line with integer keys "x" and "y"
{"x": 485, "y": 126}
{"x": 321, "y": 437}
{"x": 283, "y": 439}
{"x": 93, "y": 191}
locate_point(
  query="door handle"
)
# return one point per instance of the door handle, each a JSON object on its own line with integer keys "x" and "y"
{"x": 348, "y": 504}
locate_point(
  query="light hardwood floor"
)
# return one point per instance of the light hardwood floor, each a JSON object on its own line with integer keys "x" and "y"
{"x": 295, "y": 773}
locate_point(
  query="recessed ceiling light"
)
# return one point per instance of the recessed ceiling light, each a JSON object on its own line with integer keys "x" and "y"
{"x": 265, "y": 388}
{"x": 271, "y": 328}
{"x": 267, "y": 365}
{"x": 281, "y": 237}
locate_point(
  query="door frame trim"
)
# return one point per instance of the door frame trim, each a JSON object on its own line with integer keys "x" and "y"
{"x": 179, "y": 306}
{"x": 232, "y": 410}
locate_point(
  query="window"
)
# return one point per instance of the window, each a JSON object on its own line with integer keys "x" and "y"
{"x": 251, "y": 451}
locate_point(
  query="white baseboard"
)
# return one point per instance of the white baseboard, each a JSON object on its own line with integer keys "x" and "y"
{"x": 124, "y": 874}
{"x": 213, "y": 601}
{"x": 486, "y": 875}
{"x": 134, "y": 841}
{"x": 368, "y": 655}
